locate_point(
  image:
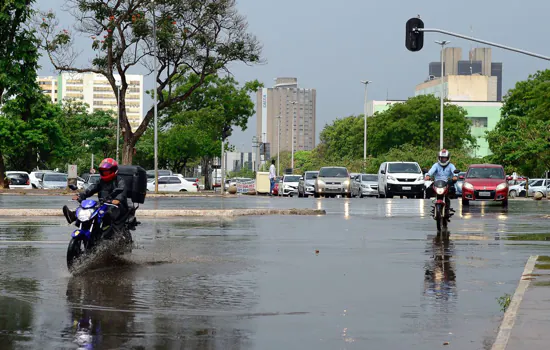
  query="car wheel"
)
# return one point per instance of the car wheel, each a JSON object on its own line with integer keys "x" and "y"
{"x": 316, "y": 195}
{"x": 513, "y": 194}
{"x": 465, "y": 202}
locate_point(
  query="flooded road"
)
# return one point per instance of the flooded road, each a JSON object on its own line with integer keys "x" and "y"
{"x": 369, "y": 274}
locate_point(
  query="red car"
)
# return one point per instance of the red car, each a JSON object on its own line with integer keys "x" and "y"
{"x": 485, "y": 182}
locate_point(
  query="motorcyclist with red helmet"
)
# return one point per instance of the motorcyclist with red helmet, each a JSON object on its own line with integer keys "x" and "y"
{"x": 109, "y": 181}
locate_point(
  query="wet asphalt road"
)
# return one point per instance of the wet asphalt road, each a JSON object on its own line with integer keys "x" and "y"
{"x": 378, "y": 281}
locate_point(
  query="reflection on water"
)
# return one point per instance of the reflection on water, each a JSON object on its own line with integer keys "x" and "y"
{"x": 440, "y": 278}
{"x": 21, "y": 231}
{"x": 17, "y": 311}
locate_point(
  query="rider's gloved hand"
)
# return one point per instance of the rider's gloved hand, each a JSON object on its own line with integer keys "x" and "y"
{"x": 427, "y": 178}
{"x": 115, "y": 202}
{"x": 75, "y": 198}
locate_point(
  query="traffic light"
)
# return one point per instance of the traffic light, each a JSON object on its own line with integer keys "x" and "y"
{"x": 414, "y": 39}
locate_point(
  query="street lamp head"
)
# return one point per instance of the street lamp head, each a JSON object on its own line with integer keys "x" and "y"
{"x": 366, "y": 82}
{"x": 442, "y": 42}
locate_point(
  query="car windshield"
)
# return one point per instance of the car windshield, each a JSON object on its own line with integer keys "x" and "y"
{"x": 333, "y": 172}
{"x": 370, "y": 178}
{"x": 55, "y": 177}
{"x": 93, "y": 179}
{"x": 310, "y": 176}
{"x": 486, "y": 173}
{"x": 409, "y": 168}
{"x": 293, "y": 178}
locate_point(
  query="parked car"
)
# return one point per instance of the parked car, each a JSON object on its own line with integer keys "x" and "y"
{"x": 332, "y": 181}
{"x": 151, "y": 173}
{"x": 18, "y": 180}
{"x": 401, "y": 179}
{"x": 290, "y": 185}
{"x": 172, "y": 184}
{"x": 537, "y": 185}
{"x": 306, "y": 185}
{"x": 36, "y": 177}
{"x": 54, "y": 181}
{"x": 459, "y": 183}
{"x": 485, "y": 182}
{"x": 364, "y": 185}
{"x": 195, "y": 180}
{"x": 92, "y": 179}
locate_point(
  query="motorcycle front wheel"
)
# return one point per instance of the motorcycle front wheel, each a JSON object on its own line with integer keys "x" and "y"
{"x": 440, "y": 219}
{"x": 75, "y": 250}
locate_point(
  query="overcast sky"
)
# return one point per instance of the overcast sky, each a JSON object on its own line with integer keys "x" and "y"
{"x": 332, "y": 45}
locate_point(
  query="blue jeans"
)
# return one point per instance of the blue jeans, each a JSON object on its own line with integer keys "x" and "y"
{"x": 272, "y": 185}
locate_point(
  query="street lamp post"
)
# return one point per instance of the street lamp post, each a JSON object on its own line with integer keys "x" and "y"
{"x": 278, "y": 143}
{"x": 366, "y": 83}
{"x": 155, "y": 98}
{"x": 292, "y": 136}
{"x": 442, "y": 43}
{"x": 118, "y": 84}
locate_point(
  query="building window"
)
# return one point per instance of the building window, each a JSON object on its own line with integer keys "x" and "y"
{"x": 479, "y": 122}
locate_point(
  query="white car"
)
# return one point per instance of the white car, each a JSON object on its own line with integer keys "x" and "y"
{"x": 19, "y": 180}
{"x": 400, "y": 179}
{"x": 290, "y": 185}
{"x": 172, "y": 184}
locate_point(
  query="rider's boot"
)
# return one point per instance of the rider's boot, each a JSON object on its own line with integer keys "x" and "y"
{"x": 69, "y": 214}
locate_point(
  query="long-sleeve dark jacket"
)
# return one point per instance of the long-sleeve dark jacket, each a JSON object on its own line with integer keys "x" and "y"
{"x": 104, "y": 189}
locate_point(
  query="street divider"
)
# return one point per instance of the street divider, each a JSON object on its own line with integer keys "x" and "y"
{"x": 176, "y": 212}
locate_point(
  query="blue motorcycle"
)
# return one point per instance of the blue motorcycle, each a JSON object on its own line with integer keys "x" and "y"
{"x": 92, "y": 229}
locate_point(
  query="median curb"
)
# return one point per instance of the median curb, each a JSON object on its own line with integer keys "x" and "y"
{"x": 176, "y": 212}
{"x": 511, "y": 313}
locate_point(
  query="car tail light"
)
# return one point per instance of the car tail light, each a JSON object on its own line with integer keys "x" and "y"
{"x": 195, "y": 184}
{"x": 28, "y": 182}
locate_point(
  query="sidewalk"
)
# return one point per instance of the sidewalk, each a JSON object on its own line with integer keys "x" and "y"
{"x": 526, "y": 325}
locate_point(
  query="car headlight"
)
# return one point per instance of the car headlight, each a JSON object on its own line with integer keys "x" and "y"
{"x": 346, "y": 183}
{"x": 502, "y": 186}
{"x": 440, "y": 190}
{"x": 420, "y": 178}
{"x": 468, "y": 186}
{"x": 391, "y": 178}
{"x": 320, "y": 183}
{"x": 365, "y": 186}
{"x": 84, "y": 214}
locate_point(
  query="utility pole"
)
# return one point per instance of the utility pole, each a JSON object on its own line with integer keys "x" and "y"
{"x": 366, "y": 83}
{"x": 441, "y": 91}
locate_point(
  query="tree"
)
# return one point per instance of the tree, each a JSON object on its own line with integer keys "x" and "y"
{"x": 86, "y": 133}
{"x": 211, "y": 113}
{"x": 414, "y": 122}
{"x": 520, "y": 141}
{"x": 193, "y": 36}
{"x": 18, "y": 63}
{"x": 417, "y": 122}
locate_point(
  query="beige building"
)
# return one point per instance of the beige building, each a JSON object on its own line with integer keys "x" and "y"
{"x": 96, "y": 92}
{"x": 296, "y": 108}
{"x": 461, "y": 88}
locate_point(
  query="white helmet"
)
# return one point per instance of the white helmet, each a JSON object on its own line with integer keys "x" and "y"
{"x": 444, "y": 157}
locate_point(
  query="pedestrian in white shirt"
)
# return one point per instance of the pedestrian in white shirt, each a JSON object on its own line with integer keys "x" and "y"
{"x": 272, "y": 176}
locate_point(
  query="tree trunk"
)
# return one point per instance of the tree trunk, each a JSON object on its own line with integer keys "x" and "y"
{"x": 2, "y": 172}
{"x": 128, "y": 148}
{"x": 206, "y": 173}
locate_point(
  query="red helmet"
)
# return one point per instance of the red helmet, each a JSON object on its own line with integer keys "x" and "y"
{"x": 108, "y": 169}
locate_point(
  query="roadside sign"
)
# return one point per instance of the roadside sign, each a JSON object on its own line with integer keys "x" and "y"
{"x": 72, "y": 172}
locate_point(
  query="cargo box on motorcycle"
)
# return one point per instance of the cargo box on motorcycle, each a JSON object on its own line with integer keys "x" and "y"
{"x": 135, "y": 178}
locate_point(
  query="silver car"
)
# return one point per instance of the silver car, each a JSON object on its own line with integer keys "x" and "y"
{"x": 365, "y": 185}
{"x": 54, "y": 181}
{"x": 333, "y": 181}
{"x": 306, "y": 186}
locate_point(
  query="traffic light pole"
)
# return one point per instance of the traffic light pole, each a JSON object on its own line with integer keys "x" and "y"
{"x": 509, "y": 48}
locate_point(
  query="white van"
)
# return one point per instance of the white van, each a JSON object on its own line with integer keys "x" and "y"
{"x": 400, "y": 179}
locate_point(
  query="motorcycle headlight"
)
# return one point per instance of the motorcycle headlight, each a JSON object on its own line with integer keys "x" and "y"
{"x": 440, "y": 190}
{"x": 468, "y": 186}
{"x": 502, "y": 186}
{"x": 84, "y": 214}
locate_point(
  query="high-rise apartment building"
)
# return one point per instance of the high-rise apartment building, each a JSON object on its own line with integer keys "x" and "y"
{"x": 479, "y": 63}
{"x": 94, "y": 90}
{"x": 286, "y": 113}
